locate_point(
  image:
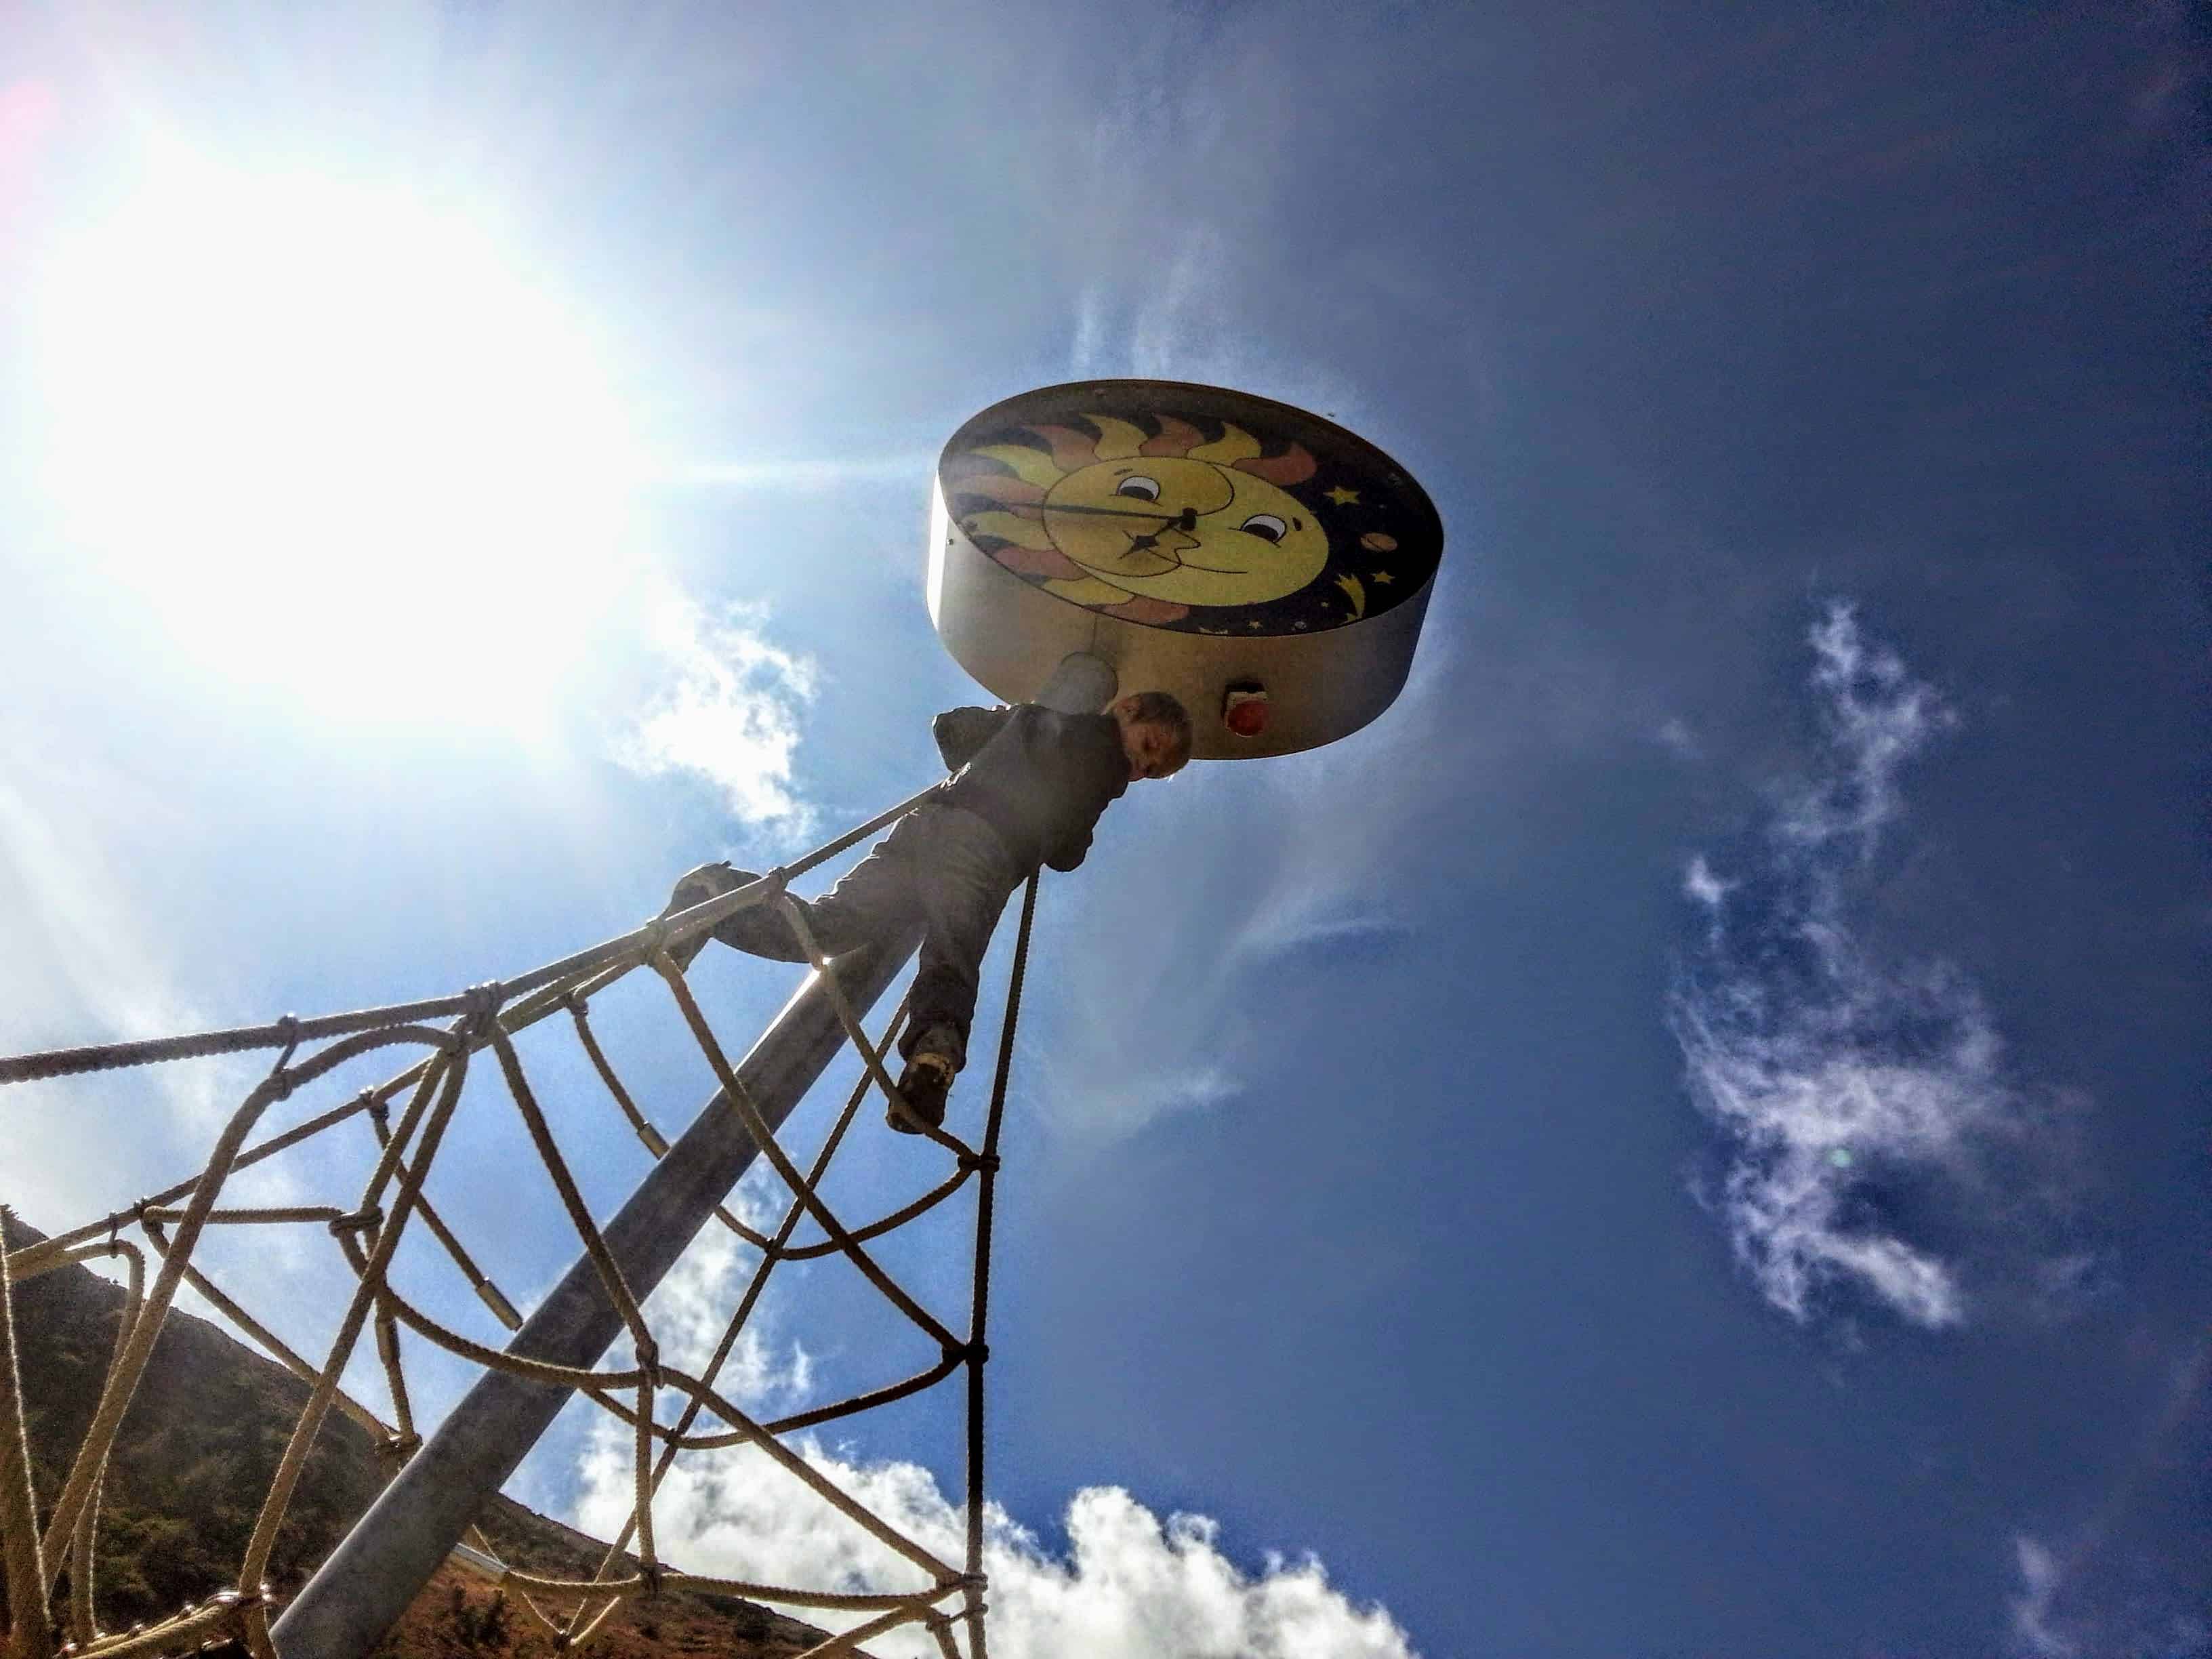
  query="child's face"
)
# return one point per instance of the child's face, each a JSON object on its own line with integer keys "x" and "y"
{"x": 1150, "y": 750}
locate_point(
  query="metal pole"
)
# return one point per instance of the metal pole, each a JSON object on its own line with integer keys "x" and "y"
{"x": 359, "y": 1591}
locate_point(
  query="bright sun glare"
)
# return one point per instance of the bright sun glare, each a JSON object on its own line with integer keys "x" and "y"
{"x": 342, "y": 447}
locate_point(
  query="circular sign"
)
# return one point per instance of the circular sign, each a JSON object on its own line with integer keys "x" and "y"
{"x": 1190, "y": 508}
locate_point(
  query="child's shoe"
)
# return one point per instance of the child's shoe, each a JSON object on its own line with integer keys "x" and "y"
{"x": 923, "y": 1086}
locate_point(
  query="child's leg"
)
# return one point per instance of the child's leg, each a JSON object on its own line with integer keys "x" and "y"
{"x": 876, "y": 897}
{"x": 963, "y": 874}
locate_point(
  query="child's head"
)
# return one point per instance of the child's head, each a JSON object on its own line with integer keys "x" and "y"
{"x": 1155, "y": 734}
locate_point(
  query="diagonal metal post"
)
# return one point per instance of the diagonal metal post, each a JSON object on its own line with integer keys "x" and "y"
{"x": 368, "y": 1581}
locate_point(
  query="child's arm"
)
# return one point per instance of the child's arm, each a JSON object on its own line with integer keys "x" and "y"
{"x": 961, "y": 732}
{"x": 1069, "y": 854}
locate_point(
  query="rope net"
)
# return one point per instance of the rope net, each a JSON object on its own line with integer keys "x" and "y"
{"x": 665, "y": 1411}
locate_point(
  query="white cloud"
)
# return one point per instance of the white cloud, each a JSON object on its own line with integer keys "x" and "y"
{"x": 691, "y": 1306}
{"x": 1317, "y": 920}
{"x": 1675, "y": 735}
{"x": 1116, "y": 1108}
{"x": 1130, "y": 1587}
{"x": 2032, "y": 1626}
{"x": 1701, "y": 884}
{"x": 2083, "y": 1604}
{"x": 1840, "y": 1080}
{"x": 1877, "y": 716}
{"x": 731, "y": 716}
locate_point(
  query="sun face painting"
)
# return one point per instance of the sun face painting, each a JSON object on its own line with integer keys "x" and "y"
{"x": 1147, "y": 526}
{"x": 1188, "y": 507}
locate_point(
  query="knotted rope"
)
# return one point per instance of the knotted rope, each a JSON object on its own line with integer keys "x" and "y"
{"x": 428, "y": 1096}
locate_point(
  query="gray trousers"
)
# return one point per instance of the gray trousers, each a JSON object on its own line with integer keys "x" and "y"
{"x": 940, "y": 866}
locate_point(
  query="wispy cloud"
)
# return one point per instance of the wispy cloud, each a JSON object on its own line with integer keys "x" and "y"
{"x": 1221, "y": 916}
{"x": 1677, "y": 736}
{"x": 1702, "y": 886}
{"x": 2031, "y": 1608}
{"x": 1186, "y": 190}
{"x": 1863, "y": 1100}
{"x": 1131, "y": 1586}
{"x": 2136, "y": 1611}
{"x": 1337, "y": 922}
{"x": 1876, "y": 717}
{"x": 1251, "y": 875}
{"x": 2116, "y": 1586}
{"x": 730, "y": 712}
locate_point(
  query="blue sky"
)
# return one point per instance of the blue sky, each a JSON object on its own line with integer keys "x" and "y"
{"x": 1686, "y": 1137}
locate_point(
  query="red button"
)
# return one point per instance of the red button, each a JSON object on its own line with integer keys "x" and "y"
{"x": 1246, "y": 713}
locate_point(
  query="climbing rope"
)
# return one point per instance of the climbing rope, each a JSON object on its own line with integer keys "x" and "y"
{"x": 409, "y": 1115}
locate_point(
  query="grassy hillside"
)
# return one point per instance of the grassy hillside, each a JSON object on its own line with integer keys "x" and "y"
{"x": 193, "y": 1462}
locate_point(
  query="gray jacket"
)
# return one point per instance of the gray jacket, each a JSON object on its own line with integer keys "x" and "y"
{"x": 1038, "y": 777}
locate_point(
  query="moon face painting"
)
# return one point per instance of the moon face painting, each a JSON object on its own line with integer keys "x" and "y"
{"x": 1190, "y": 507}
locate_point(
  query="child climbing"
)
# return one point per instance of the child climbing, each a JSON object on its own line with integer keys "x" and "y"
{"x": 1029, "y": 787}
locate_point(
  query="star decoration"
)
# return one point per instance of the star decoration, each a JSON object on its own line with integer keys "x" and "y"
{"x": 1383, "y": 578}
{"x": 1252, "y": 625}
{"x": 1342, "y": 497}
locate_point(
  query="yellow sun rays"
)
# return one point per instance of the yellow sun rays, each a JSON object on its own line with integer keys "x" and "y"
{"x": 1030, "y": 465}
{"x": 1118, "y": 441}
{"x": 1234, "y": 445}
{"x": 1007, "y": 527}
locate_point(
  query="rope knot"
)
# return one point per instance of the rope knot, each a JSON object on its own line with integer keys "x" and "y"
{"x": 986, "y": 1162}
{"x": 280, "y": 1083}
{"x": 356, "y": 1221}
{"x": 480, "y": 1002}
{"x": 376, "y": 1106}
{"x": 976, "y": 1353}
